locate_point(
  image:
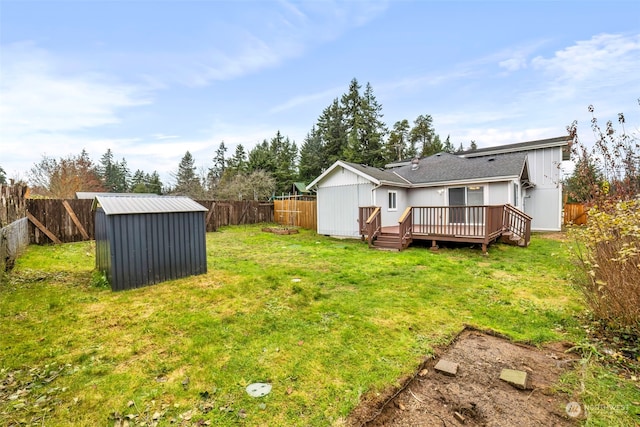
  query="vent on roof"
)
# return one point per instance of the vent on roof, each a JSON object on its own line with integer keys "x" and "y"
{"x": 491, "y": 159}
{"x": 415, "y": 163}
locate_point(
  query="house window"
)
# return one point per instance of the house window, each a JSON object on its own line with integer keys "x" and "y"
{"x": 516, "y": 194}
{"x": 393, "y": 197}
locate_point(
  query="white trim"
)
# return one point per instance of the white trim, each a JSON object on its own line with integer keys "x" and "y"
{"x": 395, "y": 200}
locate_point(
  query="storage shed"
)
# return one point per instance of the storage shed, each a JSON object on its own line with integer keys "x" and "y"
{"x": 143, "y": 240}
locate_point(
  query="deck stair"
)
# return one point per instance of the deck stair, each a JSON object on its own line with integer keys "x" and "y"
{"x": 388, "y": 241}
{"x": 514, "y": 239}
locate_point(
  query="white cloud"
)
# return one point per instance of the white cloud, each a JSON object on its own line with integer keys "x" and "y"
{"x": 36, "y": 98}
{"x": 284, "y": 33}
{"x": 325, "y": 95}
{"x": 605, "y": 61}
{"x": 42, "y": 111}
{"x": 514, "y": 64}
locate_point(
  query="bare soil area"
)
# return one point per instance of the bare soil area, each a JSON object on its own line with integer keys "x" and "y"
{"x": 476, "y": 396}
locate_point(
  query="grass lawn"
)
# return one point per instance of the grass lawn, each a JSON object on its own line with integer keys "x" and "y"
{"x": 322, "y": 320}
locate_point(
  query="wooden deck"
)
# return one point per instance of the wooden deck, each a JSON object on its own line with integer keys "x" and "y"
{"x": 471, "y": 224}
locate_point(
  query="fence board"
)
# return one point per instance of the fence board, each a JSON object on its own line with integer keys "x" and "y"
{"x": 55, "y": 217}
{"x": 14, "y": 238}
{"x": 12, "y": 203}
{"x": 575, "y": 213}
{"x": 295, "y": 212}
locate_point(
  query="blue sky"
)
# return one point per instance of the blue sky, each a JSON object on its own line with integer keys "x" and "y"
{"x": 153, "y": 79}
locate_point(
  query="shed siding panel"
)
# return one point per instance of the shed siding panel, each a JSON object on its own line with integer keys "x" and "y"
{"x": 342, "y": 221}
{"x": 339, "y": 177}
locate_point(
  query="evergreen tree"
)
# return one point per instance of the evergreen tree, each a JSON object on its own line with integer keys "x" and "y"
{"x": 312, "y": 162}
{"x": 115, "y": 175}
{"x": 284, "y": 153}
{"x": 3, "y": 176}
{"x": 448, "y": 146}
{"x": 333, "y": 133}
{"x": 436, "y": 145}
{"x": 138, "y": 182}
{"x": 422, "y": 135}
{"x": 187, "y": 181}
{"x": 219, "y": 164}
{"x": 238, "y": 163}
{"x": 372, "y": 129}
{"x": 154, "y": 185}
{"x": 396, "y": 146}
{"x": 261, "y": 158}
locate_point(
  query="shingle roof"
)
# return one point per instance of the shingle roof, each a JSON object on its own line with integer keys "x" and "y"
{"x": 381, "y": 175}
{"x": 445, "y": 167}
{"x": 121, "y": 205}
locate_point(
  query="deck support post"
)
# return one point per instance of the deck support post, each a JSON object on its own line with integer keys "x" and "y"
{"x": 434, "y": 246}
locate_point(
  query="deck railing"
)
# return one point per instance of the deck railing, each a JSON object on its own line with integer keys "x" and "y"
{"x": 364, "y": 212}
{"x": 518, "y": 223}
{"x": 374, "y": 225}
{"x": 469, "y": 221}
{"x": 405, "y": 227}
{"x": 481, "y": 224}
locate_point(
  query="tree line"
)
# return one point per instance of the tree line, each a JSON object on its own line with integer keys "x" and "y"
{"x": 351, "y": 128}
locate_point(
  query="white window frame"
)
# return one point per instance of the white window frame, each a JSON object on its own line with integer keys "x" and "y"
{"x": 392, "y": 196}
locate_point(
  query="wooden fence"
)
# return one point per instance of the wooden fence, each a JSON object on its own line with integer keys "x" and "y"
{"x": 63, "y": 221}
{"x": 575, "y": 213}
{"x": 296, "y": 211}
{"x": 12, "y": 203}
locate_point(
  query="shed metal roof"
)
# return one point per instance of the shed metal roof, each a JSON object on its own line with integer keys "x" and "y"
{"x": 123, "y": 205}
{"x": 93, "y": 194}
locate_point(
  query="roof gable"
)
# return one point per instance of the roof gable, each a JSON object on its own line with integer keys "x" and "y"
{"x": 375, "y": 175}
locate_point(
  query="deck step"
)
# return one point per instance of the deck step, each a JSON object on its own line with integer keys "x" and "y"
{"x": 510, "y": 238}
{"x": 389, "y": 241}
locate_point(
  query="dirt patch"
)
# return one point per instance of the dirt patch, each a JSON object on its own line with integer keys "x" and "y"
{"x": 277, "y": 230}
{"x": 476, "y": 396}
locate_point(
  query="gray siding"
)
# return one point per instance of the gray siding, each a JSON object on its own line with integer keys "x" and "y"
{"x": 338, "y": 208}
{"x": 142, "y": 249}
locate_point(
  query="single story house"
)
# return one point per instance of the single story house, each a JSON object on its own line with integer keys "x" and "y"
{"x": 525, "y": 176}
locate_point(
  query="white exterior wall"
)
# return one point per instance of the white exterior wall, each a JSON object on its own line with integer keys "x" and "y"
{"x": 544, "y": 202}
{"x": 430, "y": 196}
{"x": 338, "y": 198}
{"x": 499, "y": 193}
{"x": 381, "y": 198}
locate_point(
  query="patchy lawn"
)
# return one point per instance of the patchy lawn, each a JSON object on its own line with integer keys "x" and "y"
{"x": 324, "y": 321}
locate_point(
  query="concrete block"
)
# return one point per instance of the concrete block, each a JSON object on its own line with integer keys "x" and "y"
{"x": 447, "y": 367}
{"x": 518, "y": 379}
